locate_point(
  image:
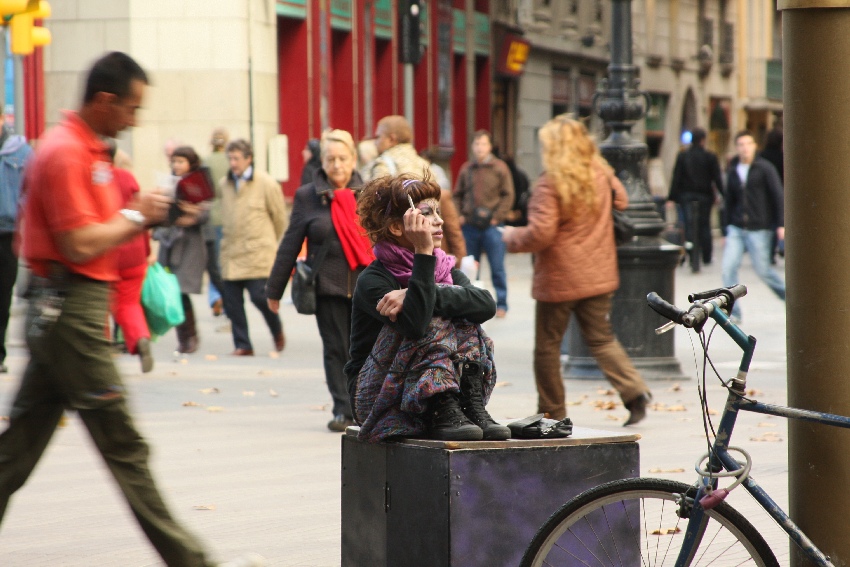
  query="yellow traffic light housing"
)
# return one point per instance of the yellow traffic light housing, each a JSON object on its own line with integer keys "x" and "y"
{"x": 12, "y": 7}
{"x": 25, "y": 36}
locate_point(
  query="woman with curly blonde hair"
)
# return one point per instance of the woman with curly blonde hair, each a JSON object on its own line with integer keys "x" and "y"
{"x": 575, "y": 263}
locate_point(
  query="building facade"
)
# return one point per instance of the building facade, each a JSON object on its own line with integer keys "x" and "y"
{"x": 340, "y": 68}
{"x": 713, "y": 64}
{"x": 266, "y": 68}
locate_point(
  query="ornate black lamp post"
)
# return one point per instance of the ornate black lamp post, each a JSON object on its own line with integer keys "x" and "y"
{"x": 648, "y": 262}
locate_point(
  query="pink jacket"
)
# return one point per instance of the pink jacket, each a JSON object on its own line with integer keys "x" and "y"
{"x": 576, "y": 258}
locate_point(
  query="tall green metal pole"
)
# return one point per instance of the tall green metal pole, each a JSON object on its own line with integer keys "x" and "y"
{"x": 816, "y": 48}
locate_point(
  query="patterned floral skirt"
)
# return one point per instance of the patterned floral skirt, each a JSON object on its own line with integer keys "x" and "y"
{"x": 401, "y": 375}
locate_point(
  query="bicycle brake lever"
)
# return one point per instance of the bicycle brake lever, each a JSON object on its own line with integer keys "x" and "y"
{"x": 665, "y": 327}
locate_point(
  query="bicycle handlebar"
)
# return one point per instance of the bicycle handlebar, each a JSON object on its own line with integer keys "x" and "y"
{"x": 703, "y": 303}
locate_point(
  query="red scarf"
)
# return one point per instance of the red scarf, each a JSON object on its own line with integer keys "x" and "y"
{"x": 355, "y": 245}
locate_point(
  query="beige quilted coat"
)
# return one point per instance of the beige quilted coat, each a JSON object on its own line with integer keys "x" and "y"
{"x": 576, "y": 258}
{"x": 253, "y": 222}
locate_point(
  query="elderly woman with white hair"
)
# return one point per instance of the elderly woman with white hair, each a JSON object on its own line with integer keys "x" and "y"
{"x": 324, "y": 213}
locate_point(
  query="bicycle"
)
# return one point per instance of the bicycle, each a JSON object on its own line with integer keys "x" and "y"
{"x": 655, "y": 522}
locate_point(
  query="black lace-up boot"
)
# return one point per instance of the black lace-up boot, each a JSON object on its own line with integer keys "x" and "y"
{"x": 472, "y": 402}
{"x": 447, "y": 421}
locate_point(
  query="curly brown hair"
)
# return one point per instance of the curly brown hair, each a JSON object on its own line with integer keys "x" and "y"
{"x": 384, "y": 200}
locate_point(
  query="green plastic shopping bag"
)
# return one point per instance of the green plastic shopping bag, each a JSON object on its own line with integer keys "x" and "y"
{"x": 161, "y": 300}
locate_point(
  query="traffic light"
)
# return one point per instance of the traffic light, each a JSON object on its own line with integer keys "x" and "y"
{"x": 409, "y": 50}
{"x": 25, "y": 36}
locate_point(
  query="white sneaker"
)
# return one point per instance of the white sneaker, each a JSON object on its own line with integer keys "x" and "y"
{"x": 247, "y": 560}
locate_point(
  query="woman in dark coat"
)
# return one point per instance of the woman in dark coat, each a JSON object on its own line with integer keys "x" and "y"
{"x": 324, "y": 213}
{"x": 182, "y": 248}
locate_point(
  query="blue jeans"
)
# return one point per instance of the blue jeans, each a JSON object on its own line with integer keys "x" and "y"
{"x": 490, "y": 240}
{"x": 758, "y": 243}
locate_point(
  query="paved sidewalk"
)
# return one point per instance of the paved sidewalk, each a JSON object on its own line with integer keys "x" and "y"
{"x": 251, "y": 467}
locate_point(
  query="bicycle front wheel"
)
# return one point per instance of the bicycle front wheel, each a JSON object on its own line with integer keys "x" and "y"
{"x": 637, "y": 522}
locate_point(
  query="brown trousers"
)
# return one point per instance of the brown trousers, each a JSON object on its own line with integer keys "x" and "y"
{"x": 593, "y": 317}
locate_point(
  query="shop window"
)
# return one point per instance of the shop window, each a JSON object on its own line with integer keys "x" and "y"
{"x": 561, "y": 92}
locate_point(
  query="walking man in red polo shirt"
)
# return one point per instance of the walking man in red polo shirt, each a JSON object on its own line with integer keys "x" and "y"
{"x": 72, "y": 223}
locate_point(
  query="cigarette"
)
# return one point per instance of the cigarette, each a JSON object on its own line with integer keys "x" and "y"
{"x": 410, "y": 200}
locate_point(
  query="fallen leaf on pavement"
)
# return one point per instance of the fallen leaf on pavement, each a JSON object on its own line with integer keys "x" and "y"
{"x": 666, "y": 531}
{"x": 603, "y": 392}
{"x": 265, "y": 372}
{"x": 604, "y": 405}
{"x": 248, "y": 393}
{"x": 502, "y": 384}
{"x": 674, "y": 388}
{"x": 655, "y": 471}
{"x": 184, "y": 361}
{"x": 215, "y": 409}
{"x": 210, "y": 391}
{"x": 766, "y": 424}
{"x": 211, "y": 357}
{"x": 272, "y": 393}
{"x": 4, "y": 418}
{"x": 768, "y": 436}
{"x": 676, "y": 408}
{"x": 204, "y": 507}
{"x": 191, "y": 404}
{"x": 753, "y": 392}
{"x": 613, "y": 417}
{"x": 274, "y": 354}
{"x": 319, "y": 408}
{"x": 713, "y": 412}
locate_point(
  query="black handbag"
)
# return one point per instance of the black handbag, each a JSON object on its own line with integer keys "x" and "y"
{"x": 624, "y": 226}
{"x": 304, "y": 282}
{"x": 539, "y": 427}
{"x": 481, "y": 217}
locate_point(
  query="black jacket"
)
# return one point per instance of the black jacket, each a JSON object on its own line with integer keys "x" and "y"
{"x": 311, "y": 219}
{"x": 757, "y": 206}
{"x": 695, "y": 172}
{"x": 423, "y": 301}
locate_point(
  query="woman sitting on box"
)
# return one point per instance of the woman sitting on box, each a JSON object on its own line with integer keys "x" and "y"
{"x": 421, "y": 365}
{"x": 182, "y": 248}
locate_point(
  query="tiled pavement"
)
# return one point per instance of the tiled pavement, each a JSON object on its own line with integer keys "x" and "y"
{"x": 252, "y": 467}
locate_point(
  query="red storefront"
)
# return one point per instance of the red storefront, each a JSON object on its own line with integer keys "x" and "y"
{"x": 338, "y": 67}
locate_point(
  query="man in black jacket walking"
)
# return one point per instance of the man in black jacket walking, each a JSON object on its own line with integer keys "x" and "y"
{"x": 753, "y": 208}
{"x": 696, "y": 183}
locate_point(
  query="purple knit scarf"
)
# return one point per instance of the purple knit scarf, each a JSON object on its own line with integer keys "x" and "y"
{"x": 399, "y": 261}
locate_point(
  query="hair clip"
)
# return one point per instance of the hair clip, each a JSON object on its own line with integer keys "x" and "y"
{"x": 407, "y": 182}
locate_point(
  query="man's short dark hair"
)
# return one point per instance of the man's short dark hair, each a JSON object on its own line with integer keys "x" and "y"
{"x": 113, "y": 74}
{"x": 241, "y": 145}
{"x": 482, "y": 134}
{"x": 697, "y": 136}
{"x": 742, "y": 133}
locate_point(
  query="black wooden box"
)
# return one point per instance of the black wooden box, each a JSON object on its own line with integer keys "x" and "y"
{"x": 422, "y": 503}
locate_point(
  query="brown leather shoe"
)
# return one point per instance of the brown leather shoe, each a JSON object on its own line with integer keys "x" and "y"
{"x": 242, "y": 352}
{"x": 279, "y": 341}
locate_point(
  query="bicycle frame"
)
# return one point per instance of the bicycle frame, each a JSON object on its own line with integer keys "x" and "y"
{"x": 721, "y": 457}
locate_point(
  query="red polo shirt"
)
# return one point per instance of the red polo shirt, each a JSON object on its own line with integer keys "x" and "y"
{"x": 69, "y": 184}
